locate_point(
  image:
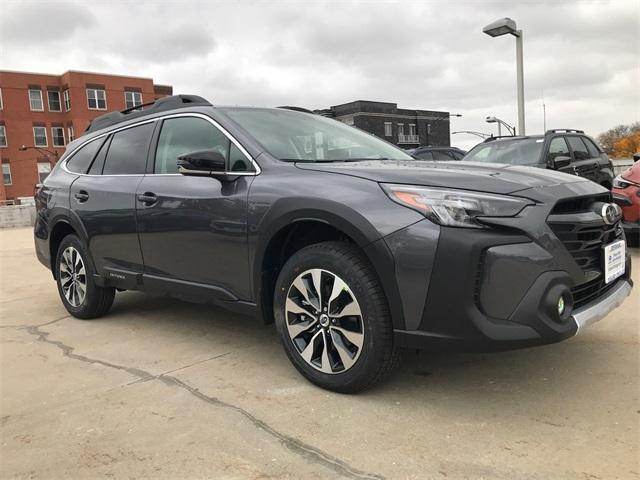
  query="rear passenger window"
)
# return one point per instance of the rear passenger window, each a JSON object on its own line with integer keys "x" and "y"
{"x": 80, "y": 161}
{"x": 186, "y": 135}
{"x": 127, "y": 153}
{"x": 424, "y": 156}
{"x": 580, "y": 151}
{"x": 591, "y": 147}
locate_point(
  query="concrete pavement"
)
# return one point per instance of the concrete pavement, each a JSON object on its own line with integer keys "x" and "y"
{"x": 165, "y": 389}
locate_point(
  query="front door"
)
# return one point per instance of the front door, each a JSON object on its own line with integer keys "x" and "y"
{"x": 105, "y": 203}
{"x": 193, "y": 229}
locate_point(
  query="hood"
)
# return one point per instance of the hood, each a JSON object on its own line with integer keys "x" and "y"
{"x": 482, "y": 177}
{"x": 632, "y": 173}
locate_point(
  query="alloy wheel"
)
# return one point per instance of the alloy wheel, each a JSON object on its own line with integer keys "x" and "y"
{"x": 73, "y": 278}
{"x": 324, "y": 321}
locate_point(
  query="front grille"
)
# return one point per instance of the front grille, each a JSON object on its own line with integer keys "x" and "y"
{"x": 579, "y": 204}
{"x": 584, "y": 234}
{"x": 585, "y": 242}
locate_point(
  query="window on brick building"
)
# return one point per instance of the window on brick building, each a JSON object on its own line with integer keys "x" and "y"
{"x": 35, "y": 100}
{"x": 44, "y": 169}
{"x": 96, "y": 99}
{"x": 132, "y": 99}
{"x": 40, "y": 136}
{"x": 1, "y": 104}
{"x": 57, "y": 136}
{"x": 3, "y": 136}
{"x": 6, "y": 174}
{"x": 66, "y": 97}
{"x": 388, "y": 132}
{"x": 70, "y": 133}
{"x": 53, "y": 96}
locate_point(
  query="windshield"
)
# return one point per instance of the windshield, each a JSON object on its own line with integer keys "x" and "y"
{"x": 304, "y": 137}
{"x": 522, "y": 151}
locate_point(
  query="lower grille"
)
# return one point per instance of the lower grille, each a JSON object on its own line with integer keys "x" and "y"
{"x": 584, "y": 293}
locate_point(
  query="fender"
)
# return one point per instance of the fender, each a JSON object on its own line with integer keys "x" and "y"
{"x": 344, "y": 219}
{"x": 71, "y": 218}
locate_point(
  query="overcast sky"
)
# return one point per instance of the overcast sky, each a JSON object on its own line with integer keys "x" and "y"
{"x": 585, "y": 56}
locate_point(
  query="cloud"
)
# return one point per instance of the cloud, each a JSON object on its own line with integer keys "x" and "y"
{"x": 41, "y": 24}
{"x": 431, "y": 55}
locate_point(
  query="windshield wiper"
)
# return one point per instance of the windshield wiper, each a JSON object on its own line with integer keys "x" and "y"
{"x": 333, "y": 160}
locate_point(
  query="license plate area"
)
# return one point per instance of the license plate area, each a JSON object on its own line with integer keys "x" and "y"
{"x": 614, "y": 260}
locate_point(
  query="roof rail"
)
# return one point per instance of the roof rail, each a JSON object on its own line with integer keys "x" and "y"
{"x": 563, "y": 130}
{"x": 160, "y": 105}
{"x": 295, "y": 109}
{"x": 496, "y": 137}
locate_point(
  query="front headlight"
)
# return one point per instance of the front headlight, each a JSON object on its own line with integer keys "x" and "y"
{"x": 622, "y": 183}
{"x": 454, "y": 208}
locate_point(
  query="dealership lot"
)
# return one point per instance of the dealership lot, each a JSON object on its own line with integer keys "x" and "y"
{"x": 164, "y": 389}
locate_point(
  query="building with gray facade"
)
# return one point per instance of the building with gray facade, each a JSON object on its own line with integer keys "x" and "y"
{"x": 404, "y": 127}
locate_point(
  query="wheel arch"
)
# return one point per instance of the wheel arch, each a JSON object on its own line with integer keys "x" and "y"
{"x": 63, "y": 225}
{"x": 296, "y": 230}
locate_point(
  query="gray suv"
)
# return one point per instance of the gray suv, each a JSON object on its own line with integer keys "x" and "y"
{"x": 352, "y": 247}
{"x": 565, "y": 150}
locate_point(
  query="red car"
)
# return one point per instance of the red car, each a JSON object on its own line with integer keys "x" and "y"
{"x": 626, "y": 193}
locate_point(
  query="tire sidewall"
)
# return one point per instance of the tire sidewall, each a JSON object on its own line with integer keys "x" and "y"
{"x": 81, "y": 310}
{"x": 375, "y": 319}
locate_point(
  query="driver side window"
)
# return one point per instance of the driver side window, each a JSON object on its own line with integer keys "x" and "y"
{"x": 185, "y": 135}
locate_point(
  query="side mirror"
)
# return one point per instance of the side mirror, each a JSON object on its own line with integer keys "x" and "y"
{"x": 636, "y": 157}
{"x": 561, "y": 161}
{"x": 207, "y": 162}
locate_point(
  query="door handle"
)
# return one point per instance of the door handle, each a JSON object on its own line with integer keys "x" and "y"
{"x": 82, "y": 196}
{"x": 148, "y": 198}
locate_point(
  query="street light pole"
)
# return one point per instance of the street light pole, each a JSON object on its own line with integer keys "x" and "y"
{"x": 46, "y": 152}
{"x": 520, "y": 80}
{"x": 506, "y": 26}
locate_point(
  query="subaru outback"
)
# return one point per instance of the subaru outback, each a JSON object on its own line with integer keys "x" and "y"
{"x": 352, "y": 247}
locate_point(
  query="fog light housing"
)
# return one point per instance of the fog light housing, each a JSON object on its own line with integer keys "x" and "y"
{"x": 561, "y": 306}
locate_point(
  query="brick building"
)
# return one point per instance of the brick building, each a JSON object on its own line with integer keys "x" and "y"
{"x": 404, "y": 127}
{"x": 48, "y": 111}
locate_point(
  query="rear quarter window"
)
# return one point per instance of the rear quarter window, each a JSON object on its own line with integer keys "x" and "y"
{"x": 80, "y": 160}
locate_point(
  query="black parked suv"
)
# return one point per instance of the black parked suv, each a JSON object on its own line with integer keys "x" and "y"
{"x": 350, "y": 245}
{"x": 565, "y": 150}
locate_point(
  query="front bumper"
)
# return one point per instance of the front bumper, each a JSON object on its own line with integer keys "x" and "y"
{"x": 497, "y": 290}
{"x": 600, "y": 308}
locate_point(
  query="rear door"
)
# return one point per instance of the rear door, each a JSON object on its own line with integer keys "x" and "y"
{"x": 105, "y": 202}
{"x": 193, "y": 229}
{"x": 583, "y": 164}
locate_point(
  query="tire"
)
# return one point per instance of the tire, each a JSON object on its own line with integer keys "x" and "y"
{"x": 72, "y": 258}
{"x": 360, "y": 350}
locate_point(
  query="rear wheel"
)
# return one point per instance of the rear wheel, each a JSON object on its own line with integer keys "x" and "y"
{"x": 333, "y": 317}
{"x": 77, "y": 288}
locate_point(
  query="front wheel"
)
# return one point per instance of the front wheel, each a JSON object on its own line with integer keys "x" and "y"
{"x": 333, "y": 317}
{"x": 77, "y": 288}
